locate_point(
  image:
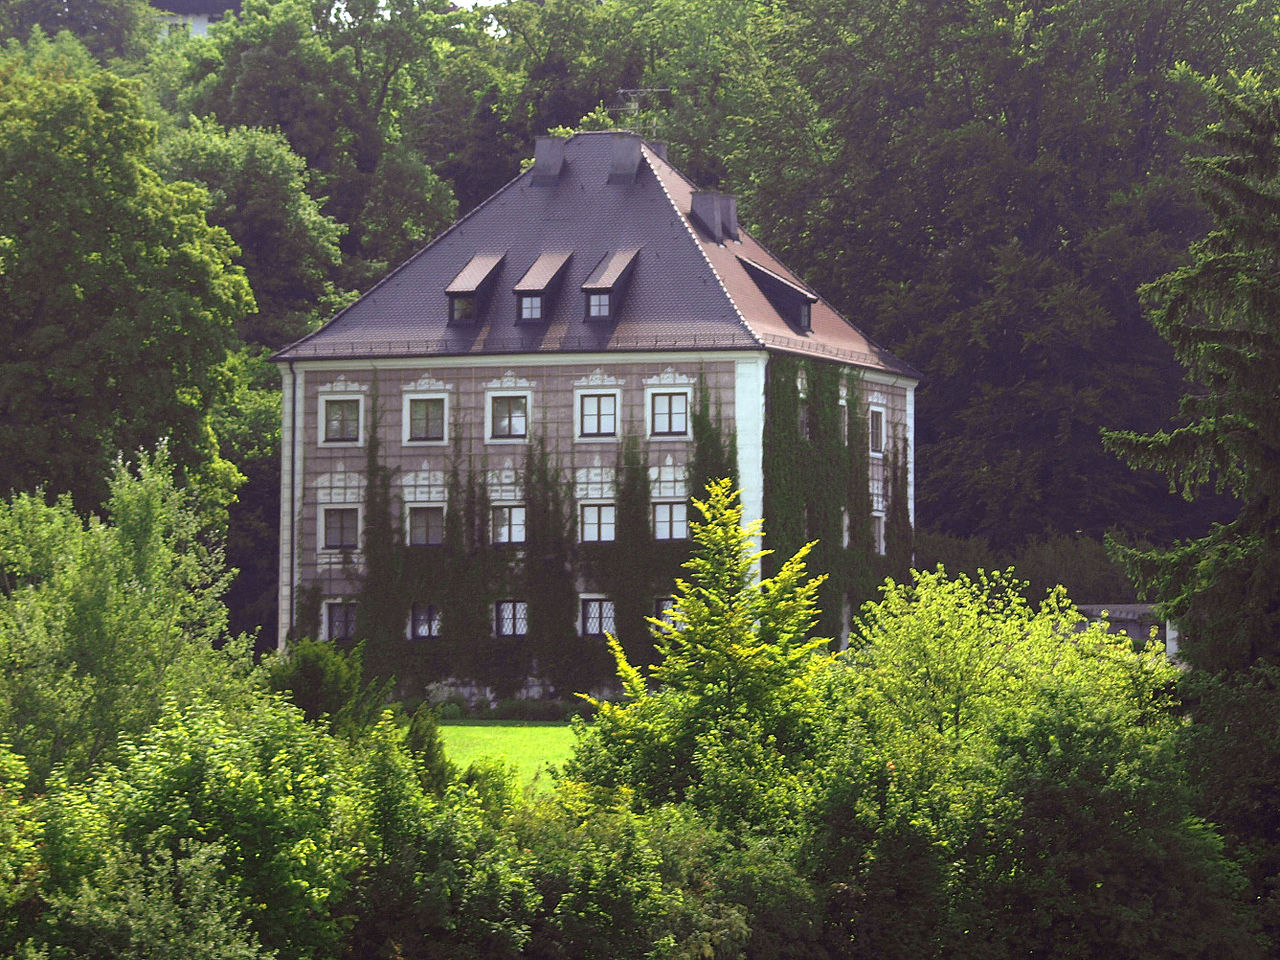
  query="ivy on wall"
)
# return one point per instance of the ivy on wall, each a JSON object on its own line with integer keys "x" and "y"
{"x": 816, "y": 466}
{"x": 816, "y": 469}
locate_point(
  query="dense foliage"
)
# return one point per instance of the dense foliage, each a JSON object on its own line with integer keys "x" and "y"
{"x": 984, "y": 187}
{"x": 1219, "y": 313}
{"x": 975, "y": 777}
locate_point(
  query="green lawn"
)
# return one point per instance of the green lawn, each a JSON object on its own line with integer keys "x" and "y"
{"x": 527, "y": 745}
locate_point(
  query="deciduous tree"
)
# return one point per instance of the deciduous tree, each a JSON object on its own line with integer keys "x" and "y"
{"x": 117, "y": 298}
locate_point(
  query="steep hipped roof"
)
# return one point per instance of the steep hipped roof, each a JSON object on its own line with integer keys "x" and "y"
{"x": 685, "y": 290}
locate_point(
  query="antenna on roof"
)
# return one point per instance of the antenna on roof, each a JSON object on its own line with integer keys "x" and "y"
{"x": 632, "y": 97}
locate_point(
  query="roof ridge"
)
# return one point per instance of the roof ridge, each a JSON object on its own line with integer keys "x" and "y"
{"x": 648, "y": 153}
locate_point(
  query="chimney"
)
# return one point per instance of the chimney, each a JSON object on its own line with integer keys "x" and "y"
{"x": 716, "y": 213}
{"x": 705, "y": 211}
{"x": 626, "y": 158}
{"x": 548, "y": 159}
{"x": 729, "y": 215}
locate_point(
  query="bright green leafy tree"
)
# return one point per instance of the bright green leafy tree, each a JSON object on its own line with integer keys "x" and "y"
{"x": 102, "y": 620}
{"x": 1012, "y": 787}
{"x": 731, "y": 720}
{"x": 117, "y": 299}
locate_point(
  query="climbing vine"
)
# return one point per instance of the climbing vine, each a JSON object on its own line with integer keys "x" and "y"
{"x": 465, "y": 575}
{"x": 627, "y": 570}
{"x": 816, "y": 469}
{"x": 548, "y": 575}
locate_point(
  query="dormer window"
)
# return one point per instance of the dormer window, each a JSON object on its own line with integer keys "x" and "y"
{"x": 470, "y": 288}
{"x": 598, "y": 306}
{"x": 462, "y": 309}
{"x": 536, "y": 290}
{"x": 531, "y": 308}
{"x": 793, "y": 302}
{"x": 605, "y": 287}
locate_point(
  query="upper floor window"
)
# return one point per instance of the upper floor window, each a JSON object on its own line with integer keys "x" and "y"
{"x": 340, "y": 620}
{"x": 425, "y": 526}
{"x": 341, "y": 528}
{"x": 669, "y": 414}
{"x": 425, "y": 419}
{"x": 876, "y": 429}
{"x": 509, "y": 417}
{"x": 508, "y": 524}
{"x": 670, "y": 520}
{"x": 597, "y": 522}
{"x": 511, "y": 618}
{"x": 341, "y": 417}
{"x": 877, "y": 533}
{"x": 597, "y": 617}
{"x": 598, "y": 415}
{"x": 424, "y": 621}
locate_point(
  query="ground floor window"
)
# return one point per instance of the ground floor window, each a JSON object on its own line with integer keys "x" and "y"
{"x": 511, "y": 618}
{"x": 424, "y": 621}
{"x": 597, "y": 617}
{"x": 340, "y": 620}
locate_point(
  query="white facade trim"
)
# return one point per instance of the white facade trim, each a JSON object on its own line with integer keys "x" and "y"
{"x": 748, "y": 411}
{"x": 512, "y": 362}
{"x": 427, "y": 384}
{"x": 911, "y": 455}
{"x": 598, "y": 378}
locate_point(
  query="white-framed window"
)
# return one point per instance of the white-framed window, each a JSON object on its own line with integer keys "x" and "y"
{"x": 339, "y": 620}
{"x": 805, "y": 316}
{"x": 506, "y": 417}
{"x": 423, "y": 524}
{"x": 596, "y": 414}
{"x": 340, "y": 528}
{"x": 530, "y": 307}
{"x": 662, "y": 607}
{"x": 667, "y": 413}
{"x": 877, "y": 532}
{"x": 424, "y": 621}
{"x": 508, "y": 523}
{"x": 599, "y": 306}
{"x": 425, "y": 418}
{"x": 510, "y": 618}
{"x": 597, "y": 617}
{"x": 670, "y": 519}
{"x": 596, "y": 522}
{"x": 342, "y": 420}
{"x": 877, "y": 429}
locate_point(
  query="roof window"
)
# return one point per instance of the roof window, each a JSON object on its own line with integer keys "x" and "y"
{"x": 607, "y": 284}
{"x": 470, "y": 288}
{"x": 792, "y": 301}
{"x": 537, "y": 289}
